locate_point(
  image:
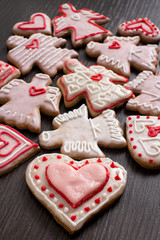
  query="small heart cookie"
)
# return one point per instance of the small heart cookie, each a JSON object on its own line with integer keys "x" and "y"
{"x": 75, "y": 191}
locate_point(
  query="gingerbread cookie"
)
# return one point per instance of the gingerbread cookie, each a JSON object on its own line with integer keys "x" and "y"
{"x": 120, "y": 53}
{"x": 95, "y": 84}
{"x": 40, "y": 50}
{"x": 143, "y": 27}
{"x": 7, "y": 73}
{"x": 75, "y": 191}
{"x": 143, "y": 137}
{"x": 39, "y": 23}
{"x": 83, "y": 25}
{"x": 79, "y": 136}
{"x": 24, "y": 101}
{"x": 147, "y": 85}
{"x": 14, "y": 148}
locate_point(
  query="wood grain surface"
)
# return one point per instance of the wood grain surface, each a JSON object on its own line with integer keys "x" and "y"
{"x": 136, "y": 215}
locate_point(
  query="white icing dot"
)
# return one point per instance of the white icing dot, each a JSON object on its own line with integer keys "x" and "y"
{"x": 93, "y": 205}
{"x": 47, "y": 191}
{"x": 117, "y": 172}
{"x": 55, "y": 199}
{"x": 66, "y": 209}
{"x": 34, "y": 170}
{"x": 81, "y": 212}
{"x": 104, "y": 195}
{"x": 38, "y": 181}
{"x": 39, "y": 161}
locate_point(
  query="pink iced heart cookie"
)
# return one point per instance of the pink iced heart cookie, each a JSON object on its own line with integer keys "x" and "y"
{"x": 143, "y": 137}
{"x": 75, "y": 191}
{"x": 14, "y": 148}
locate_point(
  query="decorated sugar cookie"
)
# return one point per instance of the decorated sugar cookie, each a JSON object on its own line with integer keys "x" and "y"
{"x": 83, "y": 25}
{"x": 120, "y": 53}
{"x": 95, "y": 84}
{"x": 39, "y": 23}
{"x": 75, "y": 191}
{"x": 22, "y": 102}
{"x": 79, "y": 136}
{"x": 147, "y": 85}
{"x": 143, "y": 137}
{"x": 14, "y": 148}
{"x": 41, "y": 50}
{"x": 7, "y": 73}
{"x": 143, "y": 27}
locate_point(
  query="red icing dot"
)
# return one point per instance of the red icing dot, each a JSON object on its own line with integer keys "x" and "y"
{"x": 132, "y": 139}
{"x": 130, "y": 131}
{"x": 71, "y": 162}
{"x": 139, "y": 154}
{"x": 44, "y": 159}
{"x": 59, "y": 156}
{"x": 130, "y": 125}
{"x": 97, "y": 200}
{"x": 51, "y": 195}
{"x": 134, "y": 146}
{"x": 129, "y": 118}
{"x": 43, "y": 188}
{"x": 36, "y": 166}
{"x": 150, "y": 160}
{"x": 87, "y": 209}
{"x": 7, "y": 65}
{"x": 99, "y": 160}
{"x": 36, "y": 177}
{"x": 60, "y": 205}
{"x": 73, "y": 217}
{"x": 86, "y": 162}
{"x": 112, "y": 165}
{"x": 138, "y": 116}
{"x": 109, "y": 189}
{"x": 159, "y": 118}
{"x": 148, "y": 117}
{"x": 117, "y": 177}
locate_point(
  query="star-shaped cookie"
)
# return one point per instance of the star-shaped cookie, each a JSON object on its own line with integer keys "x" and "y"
{"x": 22, "y": 102}
{"x": 147, "y": 85}
{"x": 120, "y": 53}
{"x": 79, "y": 136}
{"x": 83, "y": 25}
{"x": 39, "y": 49}
{"x": 95, "y": 84}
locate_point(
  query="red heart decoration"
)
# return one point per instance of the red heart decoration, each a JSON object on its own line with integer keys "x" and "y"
{"x": 32, "y": 24}
{"x": 34, "y": 44}
{"x": 36, "y": 91}
{"x": 114, "y": 45}
{"x": 6, "y": 143}
{"x": 77, "y": 185}
{"x": 97, "y": 77}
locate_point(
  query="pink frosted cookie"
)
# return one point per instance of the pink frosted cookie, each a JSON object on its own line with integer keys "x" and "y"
{"x": 75, "y": 191}
{"x": 147, "y": 85}
{"x": 83, "y": 25}
{"x": 7, "y": 73}
{"x": 143, "y": 27}
{"x": 120, "y": 53}
{"x": 143, "y": 137}
{"x": 39, "y": 23}
{"x": 41, "y": 50}
{"x": 14, "y": 148}
{"x": 95, "y": 84}
{"x": 24, "y": 101}
{"x": 79, "y": 136}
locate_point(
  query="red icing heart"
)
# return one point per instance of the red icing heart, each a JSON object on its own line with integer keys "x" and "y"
{"x": 32, "y": 24}
{"x": 114, "y": 45}
{"x": 153, "y": 131}
{"x": 6, "y": 143}
{"x": 36, "y": 91}
{"x": 77, "y": 185}
{"x": 97, "y": 77}
{"x": 34, "y": 44}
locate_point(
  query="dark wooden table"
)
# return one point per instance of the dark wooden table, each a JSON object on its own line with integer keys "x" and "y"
{"x": 136, "y": 215}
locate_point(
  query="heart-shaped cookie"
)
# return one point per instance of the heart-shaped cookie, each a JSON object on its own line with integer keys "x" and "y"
{"x": 75, "y": 191}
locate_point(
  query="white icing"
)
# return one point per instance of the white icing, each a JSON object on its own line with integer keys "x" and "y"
{"x": 113, "y": 62}
{"x": 76, "y": 17}
{"x": 43, "y": 76}
{"x": 91, "y": 45}
{"x": 134, "y": 51}
{"x": 157, "y": 97}
{"x": 139, "y": 79}
{"x": 52, "y": 94}
{"x": 121, "y": 38}
{"x": 95, "y": 128}
{"x": 157, "y": 84}
{"x": 152, "y": 149}
{"x": 140, "y": 124}
{"x": 46, "y": 136}
{"x": 10, "y": 85}
{"x": 145, "y": 105}
{"x": 65, "y": 6}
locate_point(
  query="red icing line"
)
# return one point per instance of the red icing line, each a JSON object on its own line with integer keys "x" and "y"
{"x": 128, "y": 26}
{"x": 72, "y": 27}
{"x": 4, "y": 78}
{"x": 87, "y": 209}
{"x": 34, "y": 44}
{"x": 109, "y": 189}
{"x": 86, "y": 197}
{"x": 117, "y": 177}
{"x": 98, "y": 77}
{"x": 73, "y": 217}
{"x": 32, "y": 22}
{"x": 97, "y": 200}
{"x": 19, "y": 154}
{"x": 153, "y": 131}
{"x": 113, "y": 165}
{"x": 115, "y": 45}
{"x": 59, "y": 156}
{"x": 85, "y": 92}
{"x": 36, "y": 91}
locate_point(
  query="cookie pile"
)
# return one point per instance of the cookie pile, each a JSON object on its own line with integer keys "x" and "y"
{"x": 74, "y": 191}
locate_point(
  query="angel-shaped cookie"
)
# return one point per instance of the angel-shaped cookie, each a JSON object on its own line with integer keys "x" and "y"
{"x": 95, "y": 84}
{"x": 22, "y": 102}
{"x": 39, "y": 49}
{"x": 83, "y": 25}
{"x": 120, "y": 53}
{"x": 79, "y": 136}
{"x": 147, "y": 85}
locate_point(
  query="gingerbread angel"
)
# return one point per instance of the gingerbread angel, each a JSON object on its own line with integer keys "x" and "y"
{"x": 120, "y": 53}
{"x": 83, "y": 25}
{"x": 79, "y": 136}
{"x": 22, "y": 102}
{"x": 148, "y": 86}
{"x": 39, "y": 49}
